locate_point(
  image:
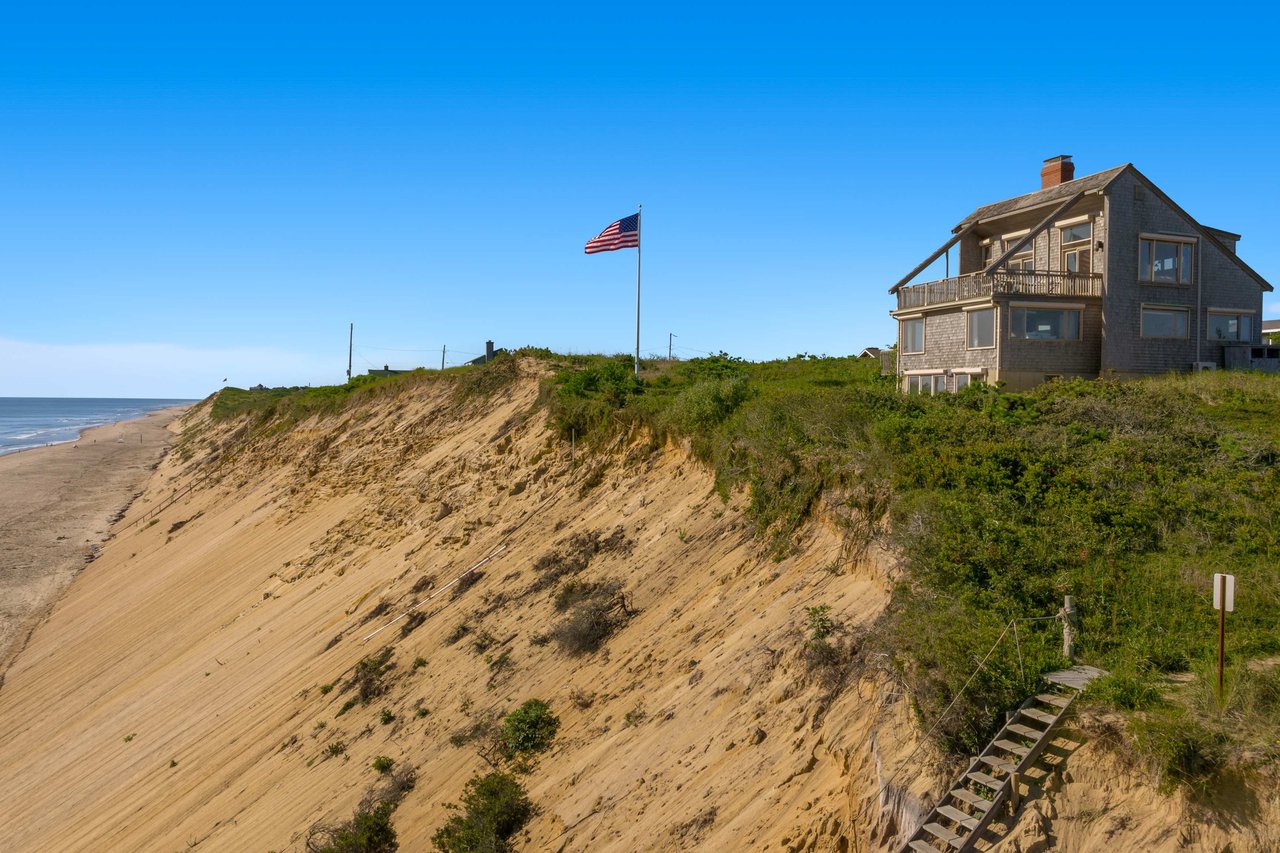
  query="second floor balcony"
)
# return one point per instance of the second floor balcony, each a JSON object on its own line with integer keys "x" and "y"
{"x": 977, "y": 286}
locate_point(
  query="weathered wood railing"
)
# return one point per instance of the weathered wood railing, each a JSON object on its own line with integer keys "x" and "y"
{"x": 977, "y": 285}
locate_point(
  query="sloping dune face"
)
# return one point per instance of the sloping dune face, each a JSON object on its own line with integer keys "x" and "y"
{"x": 188, "y": 689}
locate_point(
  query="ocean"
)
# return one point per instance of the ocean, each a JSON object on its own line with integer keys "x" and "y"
{"x": 27, "y": 422}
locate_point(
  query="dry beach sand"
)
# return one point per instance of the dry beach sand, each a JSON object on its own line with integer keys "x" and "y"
{"x": 55, "y": 504}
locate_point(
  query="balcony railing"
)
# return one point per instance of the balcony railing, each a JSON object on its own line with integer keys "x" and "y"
{"x": 976, "y": 286}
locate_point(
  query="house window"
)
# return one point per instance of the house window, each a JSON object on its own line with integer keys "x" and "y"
{"x": 1045, "y": 324}
{"x": 987, "y": 254}
{"x": 981, "y": 328}
{"x": 1230, "y": 327}
{"x": 913, "y": 335}
{"x": 1025, "y": 260}
{"x": 928, "y": 383}
{"x": 1082, "y": 232}
{"x": 1164, "y": 322}
{"x": 962, "y": 381}
{"x": 1164, "y": 261}
{"x": 1075, "y": 248}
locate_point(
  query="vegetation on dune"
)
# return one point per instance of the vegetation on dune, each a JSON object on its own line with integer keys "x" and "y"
{"x": 493, "y": 809}
{"x": 1128, "y": 496}
{"x": 285, "y": 406}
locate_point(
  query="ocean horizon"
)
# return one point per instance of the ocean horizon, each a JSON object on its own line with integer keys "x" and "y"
{"x": 30, "y": 422}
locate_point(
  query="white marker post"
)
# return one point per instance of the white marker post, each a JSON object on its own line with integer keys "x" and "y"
{"x": 1224, "y": 600}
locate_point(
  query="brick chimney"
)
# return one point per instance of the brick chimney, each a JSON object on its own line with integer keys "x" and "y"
{"x": 1057, "y": 170}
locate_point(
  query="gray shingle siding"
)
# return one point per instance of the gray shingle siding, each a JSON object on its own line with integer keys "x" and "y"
{"x": 1217, "y": 280}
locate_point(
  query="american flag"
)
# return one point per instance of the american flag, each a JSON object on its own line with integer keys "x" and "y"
{"x": 623, "y": 234}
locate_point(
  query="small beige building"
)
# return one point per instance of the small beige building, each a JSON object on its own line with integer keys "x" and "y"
{"x": 1103, "y": 275}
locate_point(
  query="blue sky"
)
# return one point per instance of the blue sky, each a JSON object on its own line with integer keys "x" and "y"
{"x": 188, "y": 194}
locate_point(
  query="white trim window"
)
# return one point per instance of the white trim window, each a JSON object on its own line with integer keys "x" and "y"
{"x": 927, "y": 383}
{"x": 980, "y": 328}
{"x": 1165, "y": 260}
{"x": 1230, "y": 326}
{"x": 1165, "y": 321}
{"x": 1045, "y": 324}
{"x": 1025, "y": 260}
{"x": 913, "y": 336}
{"x": 1076, "y": 245}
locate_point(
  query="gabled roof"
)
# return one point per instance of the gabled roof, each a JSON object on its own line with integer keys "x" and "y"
{"x": 1207, "y": 233}
{"x": 1052, "y": 195}
{"x": 1269, "y": 326}
{"x": 1089, "y": 183}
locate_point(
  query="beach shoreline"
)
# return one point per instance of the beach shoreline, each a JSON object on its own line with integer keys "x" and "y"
{"x": 57, "y": 504}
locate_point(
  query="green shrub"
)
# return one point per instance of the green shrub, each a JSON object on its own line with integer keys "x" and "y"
{"x": 368, "y": 831}
{"x": 530, "y": 728}
{"x": 820, "y": 623}
{"x": 383, "y": 764}
{"x": 494, "y": 808}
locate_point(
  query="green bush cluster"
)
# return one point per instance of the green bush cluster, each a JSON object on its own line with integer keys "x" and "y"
{"x": 529, "y": 729}
{"x": 493, "y": 809}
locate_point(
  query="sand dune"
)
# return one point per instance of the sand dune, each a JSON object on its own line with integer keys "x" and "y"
{"x": 177, "y": 696}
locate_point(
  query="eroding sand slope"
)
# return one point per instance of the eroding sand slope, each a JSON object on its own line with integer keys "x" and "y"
{"x": 173, "y": 698}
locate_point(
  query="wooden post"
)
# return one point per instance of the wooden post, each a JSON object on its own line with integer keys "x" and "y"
{"x": 1013, "y": 793}
{"x": 1068, "y": 628}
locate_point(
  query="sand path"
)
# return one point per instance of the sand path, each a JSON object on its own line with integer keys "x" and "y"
{"x": 56, "y": 502}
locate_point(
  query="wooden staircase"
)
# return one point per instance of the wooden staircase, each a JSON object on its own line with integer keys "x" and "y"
{"x": 964, "y": 812}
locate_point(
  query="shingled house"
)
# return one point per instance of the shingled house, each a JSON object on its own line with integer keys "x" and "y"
{"x": 1103, "y": 275}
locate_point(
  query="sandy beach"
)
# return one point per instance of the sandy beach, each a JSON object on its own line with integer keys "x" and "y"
{"x": 56, "y": 503}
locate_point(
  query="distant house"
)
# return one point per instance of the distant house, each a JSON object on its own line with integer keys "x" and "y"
{"x": 870, "y": 352}
{"x": 1271, "y": 331}
{"x": 1103, "y": 275}
{"x": 387, "y": 371}
{"x": 489, "y": 353}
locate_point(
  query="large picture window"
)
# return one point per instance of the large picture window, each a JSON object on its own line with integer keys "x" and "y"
{"x": 913, "y": 335}
{"x": 1045, "y": 324}
{"x": 1230, "y": 327}
{"x": 981, "y": 328}
{"x": 1164, "y": 322}
{"x": 1164, "y": 261}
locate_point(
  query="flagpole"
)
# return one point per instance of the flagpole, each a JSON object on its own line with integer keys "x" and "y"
{"x": 639, "y": 210}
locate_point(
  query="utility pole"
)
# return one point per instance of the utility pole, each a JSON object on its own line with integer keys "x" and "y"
{"x": 670, "y": 335}
{"x": 351, "y": 337}
{"x": 442, "y": 352}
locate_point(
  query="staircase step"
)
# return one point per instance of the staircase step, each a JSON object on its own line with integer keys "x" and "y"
{"x": 1011, "y": 747}
{"x": 1054, "y": 699}
{"x": 1034, "y": 734}
{"x": 922, "y": 847}
{"x": 940, "y": 831}
{"x": 983, "y": 779}
{"x": 964, "y": 795}
{"x": 998, "y": 763}
{"x": 968, "y": 821}
{"x": 1047, "y": 719}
